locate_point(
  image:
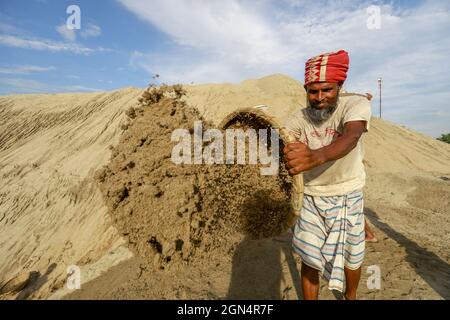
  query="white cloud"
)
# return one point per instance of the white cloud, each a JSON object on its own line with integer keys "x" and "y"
{"x": 49, "y": 45}
{"x": 217, "y": 41}
{"x": 91, "y": 30}
{"x": 135, "y": 56}
{"x": 8, "y": 28}
{"x": 20, "y": 85}
{"x": 13, "y": 37}
{"x": 24, "y": 85}
{"x": 78, "y": 88}
{"x": 7, "y": 25}
{"x": 66, "y": 33}
{"x": 24, "y": 69}
{"x": 217, "y": 27}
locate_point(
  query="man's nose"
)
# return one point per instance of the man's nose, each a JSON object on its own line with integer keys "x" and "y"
{"x": 320, "y": 96}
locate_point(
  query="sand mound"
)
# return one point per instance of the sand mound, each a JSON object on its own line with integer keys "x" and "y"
{"x": 214, "y": 102}
{"x": 51, "y": 210}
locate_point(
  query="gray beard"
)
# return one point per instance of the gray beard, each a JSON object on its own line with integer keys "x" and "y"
{"x": 318, "y": 116}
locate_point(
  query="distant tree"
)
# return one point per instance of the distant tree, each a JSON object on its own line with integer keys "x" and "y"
{"x": 445, "y": 138}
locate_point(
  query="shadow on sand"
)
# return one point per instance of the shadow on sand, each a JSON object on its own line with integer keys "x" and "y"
{"x": 432, "y": 269}
{"x": 257, "y": 261}
{"x": 36, "y": 281}
{"x": 257, "y": 271}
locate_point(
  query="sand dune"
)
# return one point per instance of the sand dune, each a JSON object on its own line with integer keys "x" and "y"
{"x": 53, "y": 213}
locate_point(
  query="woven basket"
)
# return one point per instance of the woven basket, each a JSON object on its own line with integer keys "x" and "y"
{"x": 261, "y": 112}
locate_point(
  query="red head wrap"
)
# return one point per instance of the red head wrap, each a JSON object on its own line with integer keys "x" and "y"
{"x": 327, "y": 67}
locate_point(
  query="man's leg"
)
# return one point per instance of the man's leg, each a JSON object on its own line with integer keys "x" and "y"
{"x": 370, "y": 236}
{"x": 351, "y": 282}
{"x": 310, "y": 282}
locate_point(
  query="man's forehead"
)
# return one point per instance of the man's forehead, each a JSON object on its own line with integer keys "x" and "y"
{"x": 322, "y": 85}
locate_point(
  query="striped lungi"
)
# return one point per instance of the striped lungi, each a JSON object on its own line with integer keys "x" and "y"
{"x": 329, "y": 234}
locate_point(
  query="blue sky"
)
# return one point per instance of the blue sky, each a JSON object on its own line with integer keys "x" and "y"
{"x": 124, "y": 43}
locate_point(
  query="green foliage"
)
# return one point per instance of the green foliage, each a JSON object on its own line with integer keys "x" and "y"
{"x": 445, "y": 138}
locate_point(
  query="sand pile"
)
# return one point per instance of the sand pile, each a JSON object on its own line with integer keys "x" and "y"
{"x": 172, "y": 214}
{"x": 403, "y": 166}
{"x": 53, "y": 213}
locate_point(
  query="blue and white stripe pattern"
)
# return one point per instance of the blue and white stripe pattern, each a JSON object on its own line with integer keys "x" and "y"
{"x": 329, "y": 234}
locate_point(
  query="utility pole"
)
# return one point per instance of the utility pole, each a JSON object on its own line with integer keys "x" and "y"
{"x": 379, "y": 86}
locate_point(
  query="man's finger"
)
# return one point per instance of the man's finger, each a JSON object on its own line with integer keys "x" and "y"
{"x": 296, "y": 145}
{"x": 291, "y": 154}
{"x": 295, "y": 170}
{"x": 289, "y": 149}
{"x": 295, "y": 163}
{"x": 295, "y": 154}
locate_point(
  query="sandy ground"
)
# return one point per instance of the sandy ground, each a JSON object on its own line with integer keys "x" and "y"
{"x": 59, "y": 204}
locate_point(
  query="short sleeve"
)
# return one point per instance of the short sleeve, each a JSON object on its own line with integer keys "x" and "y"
{"x": 358, "y": 110}
{"x": 293, "y": 125}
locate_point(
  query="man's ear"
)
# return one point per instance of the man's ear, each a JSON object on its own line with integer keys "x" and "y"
{"x": 306, "y": 87}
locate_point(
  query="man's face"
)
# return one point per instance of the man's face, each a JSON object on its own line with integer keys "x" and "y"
{"x": 322, "y": 100}
{"x": 322, "y": 95}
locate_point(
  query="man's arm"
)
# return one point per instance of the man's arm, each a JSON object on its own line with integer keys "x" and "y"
{"x": 301, "y": 158}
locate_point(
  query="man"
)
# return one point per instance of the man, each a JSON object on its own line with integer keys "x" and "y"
{"x": 329, "y": 234}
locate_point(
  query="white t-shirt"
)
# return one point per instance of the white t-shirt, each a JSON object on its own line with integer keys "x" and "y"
{"x": 341, "y": 176}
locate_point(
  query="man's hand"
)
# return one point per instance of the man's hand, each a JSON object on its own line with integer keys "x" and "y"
{"x": 299, "y": 157}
